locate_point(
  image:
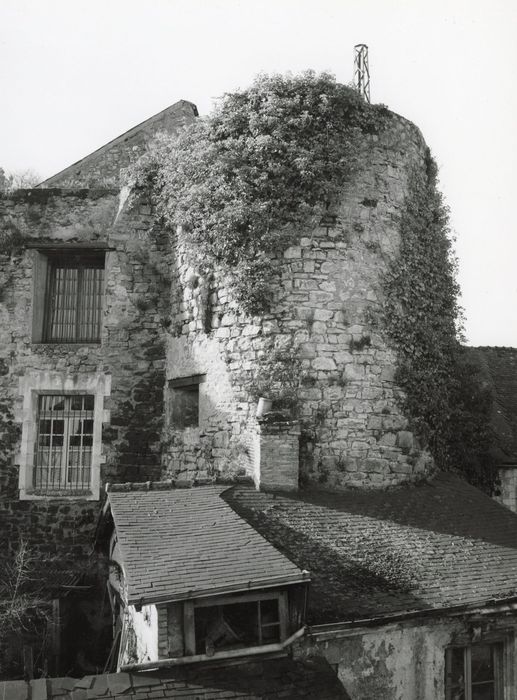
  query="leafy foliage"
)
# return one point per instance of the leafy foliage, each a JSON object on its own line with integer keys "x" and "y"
{"x": 277, "y": 377}
{"x": 266, "y": 163}
{"x": 444, "y": 396}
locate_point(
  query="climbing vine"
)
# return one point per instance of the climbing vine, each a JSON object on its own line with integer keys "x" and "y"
{"x": 265, "y": 164}
{"x": 443, "y": 395}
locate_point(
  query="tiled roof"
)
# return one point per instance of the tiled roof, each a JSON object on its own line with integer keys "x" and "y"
{"x": 499, "y": 367}
{"x": 260, "y": 680}
{"x": 372, "y": 553}
{"x": 183, "y": 543}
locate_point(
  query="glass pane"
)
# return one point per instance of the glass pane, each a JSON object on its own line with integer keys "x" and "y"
{"x": 482, "y": 662}
{"x": 45, "y": 426}
{"x": 57, "y": 403}
{"x": 77, "y": 403}
{"x": 87, "y": 427}
{"x": 89, "y": 401}
{"x": 484, "y": 691}
{"x": 455, "y": 674}
{"x": 269, "y": 611}
{"x": 58, "y": 427}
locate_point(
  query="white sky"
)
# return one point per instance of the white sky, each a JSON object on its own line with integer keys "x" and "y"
{"x": 76, "y": 73}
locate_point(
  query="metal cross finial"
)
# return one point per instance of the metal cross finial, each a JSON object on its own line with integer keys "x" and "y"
{"x": 362, "y": 71}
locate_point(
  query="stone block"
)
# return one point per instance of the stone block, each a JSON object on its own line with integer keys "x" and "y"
{"x": 405, "y": 440}
{"x": 323, "y": 364}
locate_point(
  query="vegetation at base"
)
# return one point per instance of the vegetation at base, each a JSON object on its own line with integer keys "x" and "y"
{"x": 264, "y": 165}
{"x": 444, "y": 396}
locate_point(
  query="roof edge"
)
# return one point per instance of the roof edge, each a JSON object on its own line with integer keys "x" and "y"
{"x": 121, "y": 137}
{"x": 303, "y": 577}
{"x": 484, "y": 606}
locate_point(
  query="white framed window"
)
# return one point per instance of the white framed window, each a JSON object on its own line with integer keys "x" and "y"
{"x": 61, "y": 447}
{"x": 64, "y": 442}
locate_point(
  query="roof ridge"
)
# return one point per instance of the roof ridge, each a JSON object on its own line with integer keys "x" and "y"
{"x": 170, "y": 484}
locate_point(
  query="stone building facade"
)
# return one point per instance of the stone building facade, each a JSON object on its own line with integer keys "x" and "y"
{"x": 120, "y": 362}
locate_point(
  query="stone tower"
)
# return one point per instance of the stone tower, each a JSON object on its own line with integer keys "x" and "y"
{"x": 326, "y": 326}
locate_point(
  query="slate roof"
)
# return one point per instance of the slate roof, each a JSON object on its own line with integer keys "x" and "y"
{"x": 260, "y": 680}
{"x": 184, "y": 543}
{"x": 499, "y": 368}
{"x": 374, "y": 553}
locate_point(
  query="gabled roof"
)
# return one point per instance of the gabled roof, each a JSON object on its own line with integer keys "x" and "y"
{"x": 371, "y": 554}
{"x": 101, "y": 167}
{"x": 184, "y": 543}
{"x": 258, "y": 680}
{"x": 499, "y": 368}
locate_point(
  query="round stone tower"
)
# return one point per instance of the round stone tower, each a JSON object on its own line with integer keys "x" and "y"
{"x": 326, "y": 327}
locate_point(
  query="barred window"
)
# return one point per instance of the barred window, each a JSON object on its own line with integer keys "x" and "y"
{"x": 73, "y": 299}
{"x": 64, "y": 441}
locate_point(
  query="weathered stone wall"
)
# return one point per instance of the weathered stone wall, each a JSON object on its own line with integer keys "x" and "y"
{"x": 130, "y": 356}
{"x": 327, "y": 309}
{"x": 406, "y": 661}
{"x": 102, "y": 167}
{"x": 508, "y": 488}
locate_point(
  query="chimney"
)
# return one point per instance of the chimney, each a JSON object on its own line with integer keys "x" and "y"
{"x": 277, "y": 447}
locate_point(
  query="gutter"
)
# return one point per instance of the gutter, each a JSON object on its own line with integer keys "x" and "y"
{"x": 233, "y": 654}
{"x": 337, "y": 629}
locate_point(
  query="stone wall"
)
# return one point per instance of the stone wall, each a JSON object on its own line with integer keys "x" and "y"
{"x": 327, "y": 311}
{"x": 129, "y": 358}
{"x": 102, "y": 167}
{"x": 406, "y": 661}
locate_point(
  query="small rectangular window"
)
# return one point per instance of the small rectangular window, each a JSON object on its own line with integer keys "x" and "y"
{"x": 64, "y": 441}
{"x": 184, "y": 401}
{"x": 474, "y": 672}
{"x": 73, "y": 297}
{"x": 236, "y": 626}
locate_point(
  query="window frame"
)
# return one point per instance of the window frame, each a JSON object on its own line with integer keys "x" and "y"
{"x": 500, "y": 666}
{"x": 32, "y": 386}
{"x": 189, "y": 608}
{"x": 192, "y": 383}
{"x": 45, "y": 262}
{"x": 64, "y": 470}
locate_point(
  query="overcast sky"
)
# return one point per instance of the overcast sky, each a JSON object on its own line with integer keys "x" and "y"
{"x": 76, "y": 73}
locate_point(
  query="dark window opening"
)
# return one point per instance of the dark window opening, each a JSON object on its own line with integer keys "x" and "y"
{"x": 184, "y": 401}
{"x": 236, "y": 626}
{"x": 474, "y": 672}
{"x": 64, "y": 443}
{"x": 73, "y": 297}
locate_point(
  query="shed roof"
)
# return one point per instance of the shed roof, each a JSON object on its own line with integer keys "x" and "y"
{"x": 185, "y": 543}
{"x": 433, "y": 546}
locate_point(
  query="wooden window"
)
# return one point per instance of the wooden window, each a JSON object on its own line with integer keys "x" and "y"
{"x": 474, "y": 672}
{"x": 64, "y": 441}
{"x": 235, "y": 622}
{"x": 184, "y": 401}
{"x": 73, "y": 297}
